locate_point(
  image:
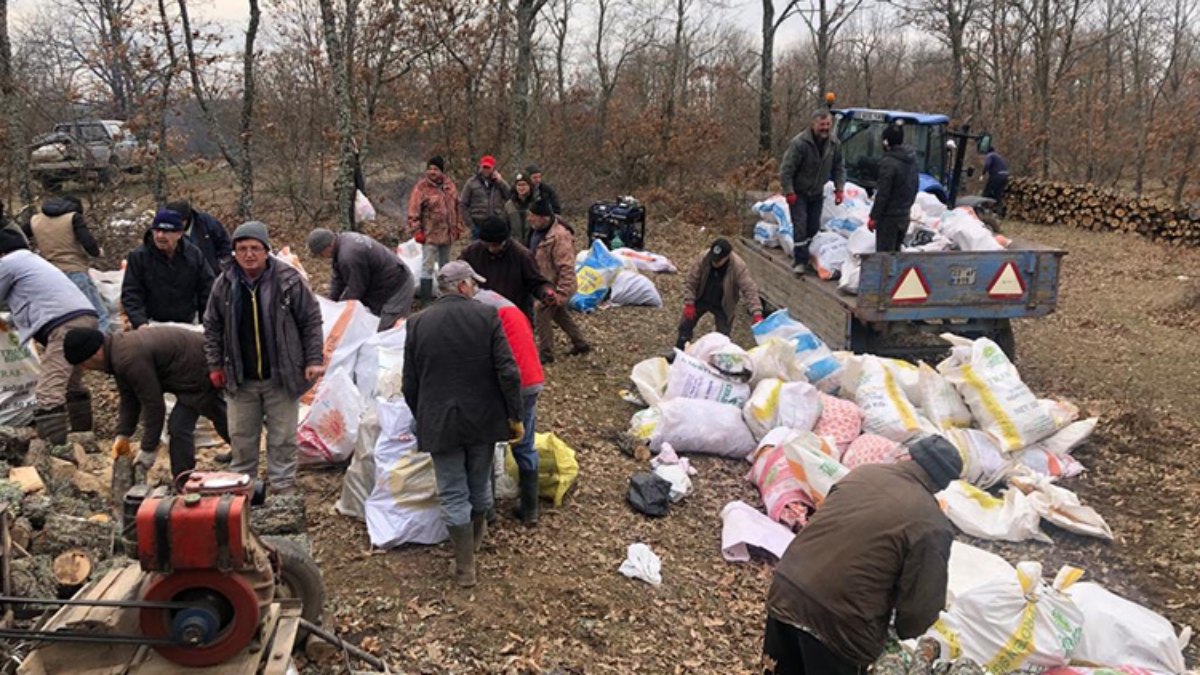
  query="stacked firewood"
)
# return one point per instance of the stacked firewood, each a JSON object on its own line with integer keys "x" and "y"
{"x": 1094, "y": 208}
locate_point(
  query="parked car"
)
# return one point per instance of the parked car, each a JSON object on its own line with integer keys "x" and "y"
{"x": 84, "y": 150}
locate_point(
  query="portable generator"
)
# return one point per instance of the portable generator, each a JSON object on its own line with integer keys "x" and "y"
{"x": 618, "y": 224}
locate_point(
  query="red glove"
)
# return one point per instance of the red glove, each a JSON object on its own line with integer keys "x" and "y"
{"x": 791, "y": 198}
{"x": 689, "y": 312}
{"x": 757, "y": 319}
{"x": 217, "y": 377}
{"x": 871, "y": 224}
{"x": 838, "y": 196}
{"x": 419, "y": 236}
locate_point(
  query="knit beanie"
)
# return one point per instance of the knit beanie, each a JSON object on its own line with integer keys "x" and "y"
{"x": 494, "y": 230}
{"x": 252, "y": 230}
{"x": 893, "y": 135}
{"x": 437, "y": 161}
{"x": 532, "y": 169}
{"x": 168, "y": 220}
{"x": 541, "y": 208}
{"x": 319, "y": 240}
{"x": 80, "y": 344}
{"x": 939, "y": 458}
{"x": 11, "y": 240}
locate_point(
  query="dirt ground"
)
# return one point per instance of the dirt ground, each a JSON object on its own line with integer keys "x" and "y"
{"x": 1122, "y": 346}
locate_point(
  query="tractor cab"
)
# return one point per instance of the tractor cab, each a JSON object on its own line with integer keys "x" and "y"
{"x": 860, "y": 131}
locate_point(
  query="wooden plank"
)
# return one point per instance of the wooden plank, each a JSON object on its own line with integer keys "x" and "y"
{"x": 814, "y": 302}
{"x": 284, "y": 640}
{"x": 245, "y": 663}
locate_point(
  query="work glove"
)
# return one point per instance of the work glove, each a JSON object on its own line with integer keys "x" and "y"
{"x": 550, "y": 299}
{"x": 689, "y": 312}
{"x": 838, "y": 196}
{"x": 121, "y": 447}
{"x": 871, "y": 224}
{"x": 758, "y": 317}
{"x": 791, "y": 198}
{"x": 217, "y": 377}
{"x": 419, "y": 236}
{"x": 516, "y": 431}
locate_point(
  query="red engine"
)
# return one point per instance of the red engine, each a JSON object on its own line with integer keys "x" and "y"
{"x": 198, "y": 550}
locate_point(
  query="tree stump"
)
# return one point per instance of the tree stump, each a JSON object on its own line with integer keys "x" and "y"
{"x": 71, "y": 570}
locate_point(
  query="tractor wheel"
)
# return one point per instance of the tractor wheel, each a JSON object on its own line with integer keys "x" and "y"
{"x": 299, "y": 578}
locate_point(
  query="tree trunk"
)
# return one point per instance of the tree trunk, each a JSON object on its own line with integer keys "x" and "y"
{"x": 158, "y": 179}
{"x": 560, "y": 51}
{"x": 526, "y": 25}
{"x": 766, "y": 93}
{"x": 343, "y": 183}
{"x": 18, "y": 154}
{"x": 246, "y": 135}
{"x": 1185, "y": 171}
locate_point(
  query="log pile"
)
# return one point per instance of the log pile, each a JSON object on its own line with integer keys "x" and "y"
{"x": 1094, "y": 208}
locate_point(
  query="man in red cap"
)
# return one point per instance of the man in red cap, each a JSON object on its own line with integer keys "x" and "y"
{"x": 483, "y": 196}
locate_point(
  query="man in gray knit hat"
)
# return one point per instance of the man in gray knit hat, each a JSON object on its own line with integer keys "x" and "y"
{"x": 367, "y": 271}
{"x": 264, "y": 346}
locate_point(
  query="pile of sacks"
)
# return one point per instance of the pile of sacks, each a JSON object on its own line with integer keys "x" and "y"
{"x": 837, "y": 250}
{"x": 617, "y": 276}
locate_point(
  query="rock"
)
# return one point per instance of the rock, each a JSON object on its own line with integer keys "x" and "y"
{"x": 14, "y": 443}
{"x": 28, "y": 478}
{"x": 280, "y": 515}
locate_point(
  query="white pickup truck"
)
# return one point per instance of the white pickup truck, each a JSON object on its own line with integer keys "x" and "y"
{"x": 85, "y": 150}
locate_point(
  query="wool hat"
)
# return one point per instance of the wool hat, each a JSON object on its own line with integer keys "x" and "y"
{"x": 81, "y": 344}
{"x": 939, "y": 458}
{"x": 541, "y": 207}
{"x": 532, "y": 169}
{"x": 456, "y": 271}
{"x": 893, "y": 135}
{"x": 487, "y": 162}
{"x": 11, "y": 240}
{"x": 494, "y": 230}
{"x": 167, "y": 221}
{"x": 252, "y": 229}
{"x": 183, "y": 207}
{"x": 720, "y": 249}
{"x": 522, "y": 178}
{"x": 437, "y": 161}
{"x": 319, "y": 240}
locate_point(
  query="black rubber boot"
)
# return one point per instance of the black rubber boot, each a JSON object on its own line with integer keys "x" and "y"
{"x": 479, "y": 525}
{"x": 527, "y": 506}
{"x": 51, "y": 425}
{"x": 462, "y": 539}
{"x": 79, "y": 411}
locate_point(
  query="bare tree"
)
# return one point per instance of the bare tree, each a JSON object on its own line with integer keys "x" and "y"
{"x": 527, "y": 12}
{"x": 159, "y": 166}
{"x": 947, "y": 20}
{"x": 560, "y": 14}
{"x": 766, "y": 92}
{"x": 609, "y": 61}
{"x": 14, "y": 135}
{"x": 339, "y": 45}
{"x": 824, "y": 20}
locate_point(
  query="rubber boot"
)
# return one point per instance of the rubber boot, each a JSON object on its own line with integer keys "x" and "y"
{"x": 527, "y": 508}
{"x": 479, "y": 525}
{"x": 79, "y": 411}
{"x": 426, "y": 292}
{"x": 52, "y": 425}
{"x": 462, "y": 538}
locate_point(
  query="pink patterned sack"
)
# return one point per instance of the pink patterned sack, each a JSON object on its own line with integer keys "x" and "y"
{"x": 871, "y": 449}
{"x": 783, "y": 495}
{"x": 840, "y": 420}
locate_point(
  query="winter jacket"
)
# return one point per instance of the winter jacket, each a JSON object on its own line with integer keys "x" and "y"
{"x": 365, "y": 270}
{"x": 62, "y": 236}
{"x": 433, "y": 209}
{"x": 544, "y": 191}
{"x": 210, "y": 236}
{"x": 162, "y": 289}
{"x": 896, "y": 189}
{"x": 878, "y": 544}
{"x": 517, "y": 210}
{"x": 513, "y": 274}
{"x": 460, "y": 378}
{"x": 519, "y": 332}
{"x": 294, "y": 333}
{"x": 738, "y": 282}
{"x": 39, "y": 295}
{"x": 481, "y": 198}
{"x": 555, "y": 257}
{"x": 805, "y": 168}
{"x": 151, "y": 362}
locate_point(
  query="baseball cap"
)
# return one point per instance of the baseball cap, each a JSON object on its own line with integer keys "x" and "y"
{"x": 168, "y": 221}
{"x": 488, "y": 161}
{"x": 456, "y": 271}
{"x": 720, "y": 248}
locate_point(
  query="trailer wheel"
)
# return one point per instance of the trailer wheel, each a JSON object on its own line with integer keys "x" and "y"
{"x": 1006, "y": 340}
{"x": 299, "y": 578}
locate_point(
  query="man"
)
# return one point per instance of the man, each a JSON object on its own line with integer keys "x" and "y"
{"x": 812, "y": 157}
{"x": 483, "y": 195}
{"x": 464, "y": 388}
{"x": 520, "y": 339}
{"x": 264, "y": 347}
{"x": 367, "y": 271}
{"x": 45, "y": 305}
{"x": 553, "y": 243}
{"x": 895, "y": 191}
{"x": 995, "y": 177}
{"x": 879, "y": 544}
{"x": 433, "y": 219}
{"x": 543, "y": 189}
{"x": 145, "y": 365}
{"x": 713, "y": 285}
{"x": 166, "y": 278}
{"x": 64, "y": 240}
{"x": 509, "y": 267}
{"x": 206, "y": 233}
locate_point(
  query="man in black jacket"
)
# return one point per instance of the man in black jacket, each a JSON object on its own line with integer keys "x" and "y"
{"x": 508, "y": 266}
{"x": 206, "y": 232}
{"x": 895, "y": 191}
{"x": 813, "y": 157}
{"x": 464, "y": 389}
{"x": 166, "y": 278}
{"x": 542, "y": 189}
{"x": 367, "y": 271}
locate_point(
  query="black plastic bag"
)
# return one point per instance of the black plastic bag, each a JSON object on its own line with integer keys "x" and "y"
{"x": 650, "y": 494}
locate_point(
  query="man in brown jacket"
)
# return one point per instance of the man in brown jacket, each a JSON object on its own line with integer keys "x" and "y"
{"x": 714, "y": 283}
{"x": 433, "y": 219}
{"x": 62, "y": 237}
{"x": 879, "y": 544}
{"x": 553, "y": 244}
{"x": 146, "y": 364}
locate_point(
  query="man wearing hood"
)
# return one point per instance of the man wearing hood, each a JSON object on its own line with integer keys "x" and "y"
{"x": 895, "y": 191}
{"x": 62, "y": 237}
{"x": 879, "y": 545}
{"x": 166, "y": 278}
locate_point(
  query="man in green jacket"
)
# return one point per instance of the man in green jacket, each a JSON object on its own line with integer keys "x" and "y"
{"x": 813, "y": 157}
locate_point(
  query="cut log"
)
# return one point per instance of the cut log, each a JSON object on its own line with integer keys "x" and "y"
{"x": 63, "y": 533}
{"x": 28, "y": 478}
{"x": 71, "y": 570}
{"x": 21, "y": 532}
{"x": 33, "y": 577}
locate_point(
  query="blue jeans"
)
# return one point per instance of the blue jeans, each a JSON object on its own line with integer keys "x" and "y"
{"x": 84, "y": 283}
{"x": 523, "y": 451}
{"x": 464, "y": 482}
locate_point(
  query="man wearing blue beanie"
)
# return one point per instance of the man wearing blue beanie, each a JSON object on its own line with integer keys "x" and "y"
{"x": 167, "y": 278}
